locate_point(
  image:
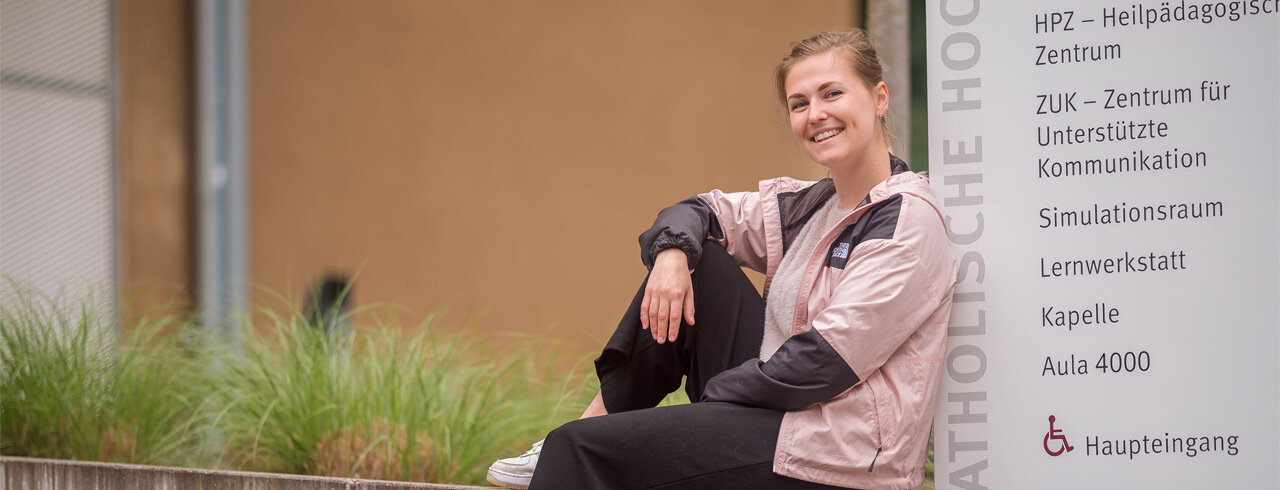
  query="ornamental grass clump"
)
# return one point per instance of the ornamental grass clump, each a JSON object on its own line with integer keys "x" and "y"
{"x": 372, "y": 403}
{"x": 73, "y": 387}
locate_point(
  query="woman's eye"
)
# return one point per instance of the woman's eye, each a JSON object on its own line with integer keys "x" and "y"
{"x": 799, "y": 105}
{"x": 834, "y": 93}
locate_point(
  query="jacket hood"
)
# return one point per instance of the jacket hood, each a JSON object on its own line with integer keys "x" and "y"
{"x": 906, "y": 183}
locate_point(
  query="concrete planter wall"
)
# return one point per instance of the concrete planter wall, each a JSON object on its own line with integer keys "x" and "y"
{"x": 56, "y": 474}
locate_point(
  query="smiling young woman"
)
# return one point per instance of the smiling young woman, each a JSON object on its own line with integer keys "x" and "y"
{"x": 825, "y": 381}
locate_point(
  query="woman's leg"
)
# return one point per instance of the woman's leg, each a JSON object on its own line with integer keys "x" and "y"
{"x": 595, "y": 408}
{"x": 636, "y": 372}
{"x": 699, "y": 446}
{"x": 696, "y": 446}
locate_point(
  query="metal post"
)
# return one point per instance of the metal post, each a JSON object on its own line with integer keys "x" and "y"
{"x": 222, "y": 167}
{"x": 888, "y": 23}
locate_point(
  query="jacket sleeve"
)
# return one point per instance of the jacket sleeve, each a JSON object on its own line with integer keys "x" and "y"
{"x": 879, "y": 302}
{"x": 734, "y": 220}
{"x": 682, "y": 225}
{"x": 804, "y": 371}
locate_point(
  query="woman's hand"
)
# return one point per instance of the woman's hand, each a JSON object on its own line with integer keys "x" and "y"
{"x": 667, "y": 295}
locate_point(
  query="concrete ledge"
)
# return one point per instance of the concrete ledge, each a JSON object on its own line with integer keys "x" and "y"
{"x": 57, "y": 474}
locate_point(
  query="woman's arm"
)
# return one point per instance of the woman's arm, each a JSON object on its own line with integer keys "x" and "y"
{"x": 683, "y": 225}
{"x": 734, "y": 220}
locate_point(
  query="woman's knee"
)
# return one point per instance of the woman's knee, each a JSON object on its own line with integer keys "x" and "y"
{"x": 716, "y": 264}
{"x": 567, "y": 438}
{"x": 715, "y": 250}
{"x": 715, "y": 258}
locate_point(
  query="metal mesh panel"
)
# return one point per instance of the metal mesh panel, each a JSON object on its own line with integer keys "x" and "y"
{"x": 57, "y": 191}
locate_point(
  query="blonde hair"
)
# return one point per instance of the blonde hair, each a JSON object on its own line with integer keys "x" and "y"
{"x": 855, "y": 45}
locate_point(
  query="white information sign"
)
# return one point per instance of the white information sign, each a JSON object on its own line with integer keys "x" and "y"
{"x": 1110, "y": 174}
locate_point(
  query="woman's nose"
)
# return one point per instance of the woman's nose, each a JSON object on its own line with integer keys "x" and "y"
{"x": 817, "y": 113}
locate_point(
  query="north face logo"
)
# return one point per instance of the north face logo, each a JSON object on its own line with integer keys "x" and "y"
{"x": 841, "y": 251}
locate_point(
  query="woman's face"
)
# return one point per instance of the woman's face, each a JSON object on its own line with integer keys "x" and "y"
{"x": 833, "y": 112}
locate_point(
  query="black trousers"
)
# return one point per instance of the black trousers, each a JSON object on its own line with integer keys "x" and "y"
{"x": 697, "y": 446}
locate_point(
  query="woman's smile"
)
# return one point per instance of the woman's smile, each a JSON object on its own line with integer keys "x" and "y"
{"x": 826, "y": 134}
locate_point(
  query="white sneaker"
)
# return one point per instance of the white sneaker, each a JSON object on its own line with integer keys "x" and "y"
{"x": 515, "y": 472}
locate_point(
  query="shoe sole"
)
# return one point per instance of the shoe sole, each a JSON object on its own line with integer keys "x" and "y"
{"x": 516, "y": 482}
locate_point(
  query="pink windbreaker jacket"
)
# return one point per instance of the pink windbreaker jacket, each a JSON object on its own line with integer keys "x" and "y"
{"x": 859, "y": 374}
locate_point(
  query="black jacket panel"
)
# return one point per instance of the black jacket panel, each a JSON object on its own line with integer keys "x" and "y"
{"x": 805, "y": 370}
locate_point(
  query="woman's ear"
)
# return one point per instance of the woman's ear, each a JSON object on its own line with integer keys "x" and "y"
{"x": 882, "y": 98}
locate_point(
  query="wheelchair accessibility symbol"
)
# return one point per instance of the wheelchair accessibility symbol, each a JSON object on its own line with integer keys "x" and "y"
{"x": 1055, "y": 435}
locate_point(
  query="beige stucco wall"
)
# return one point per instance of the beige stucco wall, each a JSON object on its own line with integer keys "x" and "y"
{"x": 154, "y": 179}
{"x": 499, "y": 158}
